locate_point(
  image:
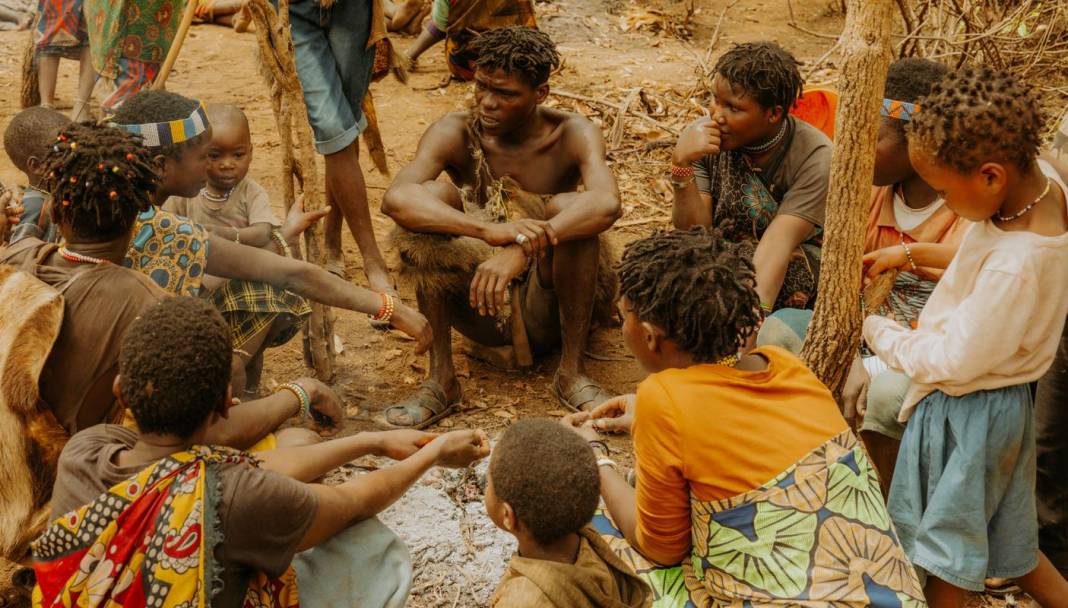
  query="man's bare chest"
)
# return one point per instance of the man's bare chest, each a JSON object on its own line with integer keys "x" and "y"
{"x": 545, "y": 171}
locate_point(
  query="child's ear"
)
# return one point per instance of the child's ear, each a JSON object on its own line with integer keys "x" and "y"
{"x": 653, "y": 336}
{"x": 34, "y": 165}
{"x": 508, "y": 519}
{"x": 993, "y": 177}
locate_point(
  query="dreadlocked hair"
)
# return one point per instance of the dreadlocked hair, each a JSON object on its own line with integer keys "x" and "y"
{"x": 764, "y": 71}
{"x": 524, "y": 51}
{"x": 908, "y": 80}
{"x": 696, "y": 286}
{"x": 148, "y": 106}
{"x": 978, "y": 115}
{"x": 100, "y": 179}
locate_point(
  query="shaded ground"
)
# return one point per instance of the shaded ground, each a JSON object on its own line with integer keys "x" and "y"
{"x": 609, "y": 47}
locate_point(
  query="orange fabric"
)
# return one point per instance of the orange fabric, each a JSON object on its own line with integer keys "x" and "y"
{"x": 714, "y": 432}
{"x": 943, "y": 226}
{"x": 817, "y": 107}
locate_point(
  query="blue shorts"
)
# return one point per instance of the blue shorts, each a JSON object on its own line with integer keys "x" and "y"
{"x": 963, "y": 494}
{"x": 334, "y": 66}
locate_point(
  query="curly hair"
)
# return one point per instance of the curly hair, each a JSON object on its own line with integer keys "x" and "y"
{"x": 100, "y": 179}
{"x": 548, "y": 474}
{"x": 764, "y": 71}
{"x": 978, "y": 115}
{"x": 147, "y": 106}
{"x": 30, "y": 133}
{"x": 523, "y": 51}
{"x": 175, "y": 366}
{"x": 696, "y": 286}
{"x": 908, "y": 80}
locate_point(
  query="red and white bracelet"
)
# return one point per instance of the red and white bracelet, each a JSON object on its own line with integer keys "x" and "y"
{"x": 385, "y": 313}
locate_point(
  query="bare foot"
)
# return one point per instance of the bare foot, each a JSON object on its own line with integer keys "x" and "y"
{"x": 379, "y": 280}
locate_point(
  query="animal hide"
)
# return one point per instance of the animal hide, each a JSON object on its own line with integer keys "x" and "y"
{"x": 31, "y": 314}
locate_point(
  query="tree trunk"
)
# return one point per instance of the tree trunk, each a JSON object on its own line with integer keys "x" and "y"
{"x": 834, "y": 335}
{"x": 298, "y": 160}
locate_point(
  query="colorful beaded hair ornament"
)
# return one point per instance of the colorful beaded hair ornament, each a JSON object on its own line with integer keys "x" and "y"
{"x": 901, "y": 110}
{"x": 159, "y": 134}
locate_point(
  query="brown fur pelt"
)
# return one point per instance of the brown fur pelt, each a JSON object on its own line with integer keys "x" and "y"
{"x": 31, "y": 314}
{"x": 31, "y": 93}
{"x": 443, "y": 265}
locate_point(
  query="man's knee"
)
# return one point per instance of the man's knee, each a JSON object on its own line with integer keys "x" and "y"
{"x": 886, "y": 393}
{"x": 785, "y": 328}
{"x": 295, "y": 437}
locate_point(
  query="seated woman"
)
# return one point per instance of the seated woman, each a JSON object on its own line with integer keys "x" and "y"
{"x": 177, "y": 253}
{"x": 163, "y": 518}
{"x": 757, "y": 173}
{"x": 750, "y": 486}
{"x": 909, "y": 230}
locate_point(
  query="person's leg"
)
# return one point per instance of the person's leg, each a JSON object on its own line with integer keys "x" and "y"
{"x": 880, "y": 431}
{"x": 86, "y": 82}
{"x": 941, "y": 594}
{"x": 244, "y": 354}
{"x": 1051, "y": 429}
{"x": 1045, "y": 584}
{"x": 295, "y": 437}
{"x": 574, "y": 265}
{"x": 47, "y": 72}
{"x": 346, "y": 37}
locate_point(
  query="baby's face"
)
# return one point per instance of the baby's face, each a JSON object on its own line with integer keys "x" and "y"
{"x": 229, "y": 156}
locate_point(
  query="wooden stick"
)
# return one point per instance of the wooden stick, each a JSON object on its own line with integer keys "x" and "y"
{"x": 618, "y": 128}
{"x": 644, "y": 220}
{"x": 176, "y": 46}
{"x": 605, "y": 102}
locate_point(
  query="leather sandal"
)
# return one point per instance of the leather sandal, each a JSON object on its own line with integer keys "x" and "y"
{"x": 583, "y": 396}
{"x": 411, "y": 413}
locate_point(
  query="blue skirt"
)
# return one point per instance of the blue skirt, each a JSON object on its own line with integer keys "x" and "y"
{"x": 963, "y": 494}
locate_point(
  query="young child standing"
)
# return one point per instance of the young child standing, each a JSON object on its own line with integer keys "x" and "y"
{"x": 542, "y": 489}
{"x": 963, "y": 494}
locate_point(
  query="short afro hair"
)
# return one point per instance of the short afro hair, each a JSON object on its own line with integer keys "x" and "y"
{"x": 909, "y": 80}
{"x": 523, "y": 51}
{"x": 977, "y": 115}
{"x": 31, "y": 133}
{"x": 100, "y": 179}
{"x": 696, "y": 286}
{"x": 147, "y": 106}
{"x": 175, "y": 366}
{"x": 764, "y": 71}
{"x": 548, "y": 475}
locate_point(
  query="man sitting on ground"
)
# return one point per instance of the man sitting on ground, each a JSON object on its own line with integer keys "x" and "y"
{"x": 519, "y": 164}
{"x": 161, "y": 518}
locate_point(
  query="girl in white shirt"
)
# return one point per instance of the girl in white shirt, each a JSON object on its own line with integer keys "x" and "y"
{"x": 963, "y": 494}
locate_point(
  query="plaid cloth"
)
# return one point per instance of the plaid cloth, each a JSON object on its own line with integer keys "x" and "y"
{"x": 249, "y": 307}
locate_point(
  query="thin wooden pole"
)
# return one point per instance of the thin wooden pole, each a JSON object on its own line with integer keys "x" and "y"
{"x": 176, "y": 46}
{"x": 834, "y": 335}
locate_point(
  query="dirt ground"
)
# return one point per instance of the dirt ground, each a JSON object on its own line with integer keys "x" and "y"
{"x": 609, "y": 47}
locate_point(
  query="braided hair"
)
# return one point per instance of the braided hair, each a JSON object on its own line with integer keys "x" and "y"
{"x": 978, "y": 115}
{"x": 696, "y": 286}
{"x": 764, "y": 71}
{"x": 148, "y": 106}
{"x": 100, "y": 179}
{"x": 524, "y": 51}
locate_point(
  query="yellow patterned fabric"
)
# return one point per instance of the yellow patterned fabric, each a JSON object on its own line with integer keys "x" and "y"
{"x": 816, "y": 535}
{"x": 148, "y": 541}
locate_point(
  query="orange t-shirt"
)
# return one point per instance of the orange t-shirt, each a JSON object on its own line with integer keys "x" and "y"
{"x": 714, "y": 432}
{"x": 943, "y": 226}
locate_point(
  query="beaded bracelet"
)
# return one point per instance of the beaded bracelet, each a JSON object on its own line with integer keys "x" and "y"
{"x": 301, "y": 395}
{"x": 908, "y": 253}
{"x": 385, "y": 313}
{"x": 283, "y": 246}
{"x": 681, "y": 176}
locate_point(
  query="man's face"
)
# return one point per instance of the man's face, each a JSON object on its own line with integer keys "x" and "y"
{"x": 186, "y": 174}
{"x": 503, "y": 101}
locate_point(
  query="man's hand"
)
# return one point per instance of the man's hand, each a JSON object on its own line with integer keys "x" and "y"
{"x": 698, "y": 140}
{"x": 615, "y": 415}
{"x": 581, "y": 423}
{"x": 327, "y": 415}
{"x": 881, "y": 260}
{"x": 298, "y": 220}
{"x": 539, "y": 236}
{"x": 493, "y": 277}
{"x": 413, "y": 323}
{"x": 459, "y": 449}
{"x": 402, "y": 443}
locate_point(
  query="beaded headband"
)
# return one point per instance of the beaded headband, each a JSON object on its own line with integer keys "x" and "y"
{"x": 159, "y": 134}
{"x": 901, "y": 110}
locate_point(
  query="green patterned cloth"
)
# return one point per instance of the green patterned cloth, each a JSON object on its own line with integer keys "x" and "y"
{"x": 816, "y": 535}
{"x": 141, "y": 30}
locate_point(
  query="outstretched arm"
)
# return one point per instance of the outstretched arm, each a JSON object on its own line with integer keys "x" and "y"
{"x": 773, "y": 253}
{"x": 232, "y": 261}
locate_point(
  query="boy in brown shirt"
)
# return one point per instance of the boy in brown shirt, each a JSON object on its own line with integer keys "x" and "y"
{"x": 543, "y": 487}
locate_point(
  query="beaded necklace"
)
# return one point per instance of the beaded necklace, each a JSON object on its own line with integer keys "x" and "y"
{"x": 78, "y": 258}
{"x": 1030, "y": 206}
{"x": 216, "y": 198}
